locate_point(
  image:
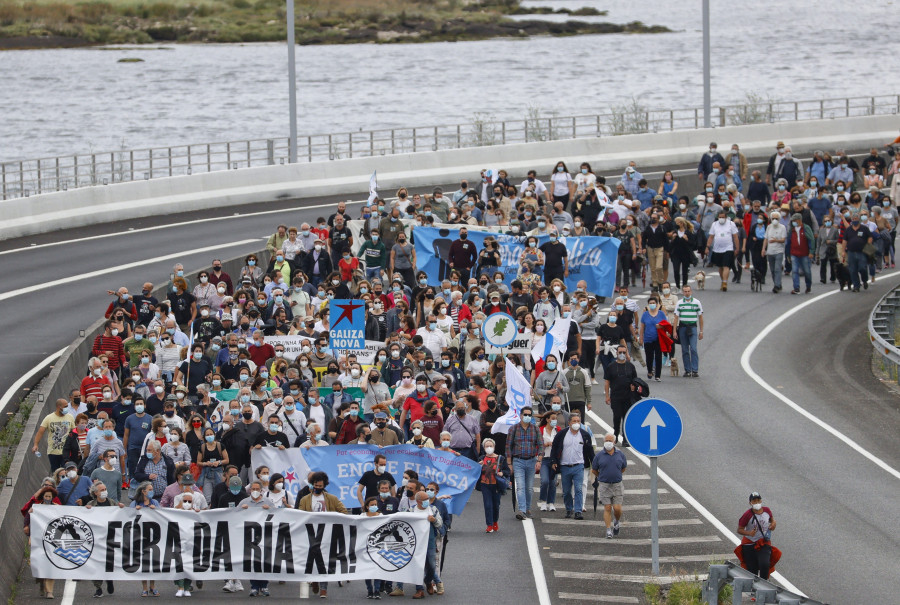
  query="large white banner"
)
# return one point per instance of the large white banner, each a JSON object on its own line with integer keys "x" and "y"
{"x": 289, "y": 463}
{"x": 293, "y": 347}
{"x": 69, "y": 542}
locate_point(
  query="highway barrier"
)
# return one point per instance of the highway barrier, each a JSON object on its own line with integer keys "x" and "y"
{"x": 745, "y": 582}
{"x": 882, "y": 329}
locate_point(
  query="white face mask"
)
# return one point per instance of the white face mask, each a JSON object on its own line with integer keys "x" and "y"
{"x": 104, "y": 494}
{"x": 608, "y": 445}
{"x": 255, "y": 494}
{"x": 757, "y": 506}
{"x": 71, "y": 474}
{"x": 187, "y": 505}
{"x": 417, "y": 432}
{"x": 722, "y": 221}
{"x": 159, "y": 390}
{"x": 576, "y": 426}
{"x": 381, "y": 468}
{"x": 488, "y": 450}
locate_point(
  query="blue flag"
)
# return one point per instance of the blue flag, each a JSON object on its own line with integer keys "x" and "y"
{"x": 345, "y": 465}
{"x": 591, "y": 258}
{"x": 348, "y": 325}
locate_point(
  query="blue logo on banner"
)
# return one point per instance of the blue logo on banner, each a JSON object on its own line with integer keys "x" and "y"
{"x": 591, "y": 258}
{"x": 348, "y": 327}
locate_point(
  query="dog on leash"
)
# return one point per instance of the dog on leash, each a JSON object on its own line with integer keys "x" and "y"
{"x": 843, "y": 275}
{"x": 755, "y": 281}
{"x": 673, "y": 365}
{"x": 700, "y": 278}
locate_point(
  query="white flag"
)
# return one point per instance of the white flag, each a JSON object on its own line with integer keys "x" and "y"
{"x": 518, "y": 395}
{"x": 373, "y": 188}
{"x": 554, "y": 342}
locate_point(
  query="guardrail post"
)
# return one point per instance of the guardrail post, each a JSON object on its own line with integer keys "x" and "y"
{"x": 549, "y": 129}
{"x": 372, "y": 142}
{"x": 766, "y": 595}
{"x": 93, "y": 169}
{"x": 75, "y": 169}
{"x": 458, "y": 137}
{"x": 873, "y": 106}
{"x": 39, "y": 176}
{"x": 696, "y": 118}
{"x": 3, "y": 172}
{"x": 151, "y": 164}
{"x": 394, "y": 140}
{"x": 309, "y": 147}
{"x": 435, "y": 138}
{"x": 170, "y": 161}
{"x": 57, "y": 177}
{"x": 721, "y": 116}
{"x": 822, "y": 109}
{"x": 131, "y": 162}
{"x": 270, "y": 151}
{"x": 740, "y": 585}
{"x": 249, "y": 155}
{"x": 671, "y": 120}
{"x": 574, "y": 129}
{"x": 21, "y": 179}
{"x": 228, "y": 155}
{"x": 190, "y": 166}
{"x": 208, "y": 158}
{"x": 350, "y": 143}
{"x": 112, "y": 167}
{"x": 796, "y": 111}
{"x": 503, "y": 130}
{"x": 717, "y": 574}
{"x": 847, "y": 105}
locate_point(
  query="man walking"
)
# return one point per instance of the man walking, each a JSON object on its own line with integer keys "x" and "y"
{"x": 570, "y": 454}
{"x": 689, "y": 326}
{"x": 607, "y": 469}
{"x": 618, "y": 378}
{"x": 525, "y": 448}
{"x": 801, "y": 247}
{"x": 463, "y": 255}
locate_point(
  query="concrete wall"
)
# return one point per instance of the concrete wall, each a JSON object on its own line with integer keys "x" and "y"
{"x": 92, "y": 205}
{"x": 27, "y": 470}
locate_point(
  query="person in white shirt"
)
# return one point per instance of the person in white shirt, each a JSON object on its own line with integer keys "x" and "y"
{"x": 433, "y": 338}
{"x": 313, "y": 431}
{"x": 536, "y": 185}
{"x": 723, "y": 241}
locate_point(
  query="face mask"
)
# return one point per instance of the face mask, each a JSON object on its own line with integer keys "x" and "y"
{"x": 149, "y": 455}
{"x": 108, "y": 432}
{"x": 621, "y": 356}
{"x": 234, "y": 490}
{"x": 555, "y": 407}
{"x": 246, "y": 415}
{"x": 757, "y": 506}
{"x": 421, "y": 388}
{"x": 139, "y": 409}
{"x": 245, "y": 377}
{"x": 318, "y": 490}
{"x": 722, "y": 221}
{"x": 576, "y": 426}
{"x": 526, "y": 419}
{"x": 71, "y": 474}
{"x": 608, "y": 445}
{"x": 255, "y": 494}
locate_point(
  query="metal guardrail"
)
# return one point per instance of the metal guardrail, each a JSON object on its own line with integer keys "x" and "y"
{"x": 743, "y": 581}
{"x": 883, "y": 323}
{"x": 23, "y": 178}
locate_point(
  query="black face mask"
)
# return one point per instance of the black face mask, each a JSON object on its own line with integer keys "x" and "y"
{"x": 429, "y": 365}
{"x": 247, "y": 415}
{"x": 367, "y": 437}
{"x": 461, "y": 412}
{"x": 409, "y": 493}
{"x": 492, "y": 404}
{"x": 381, "y": 425}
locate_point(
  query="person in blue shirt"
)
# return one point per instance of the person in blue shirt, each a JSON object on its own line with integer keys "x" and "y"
{"x": 644, "y": 194}
{"x": 652, "y": 316}
{"x": 75, "y": 489}
{"x": 136, "y": 428}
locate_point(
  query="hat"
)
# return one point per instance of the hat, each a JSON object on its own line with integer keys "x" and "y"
{"x": 235, "y": 482}
{"x": 778, "y": 144}
{"x": 171, "y": 398}
{"x": 437, "y": 190}
{"x": 217, "y": 338}
{"x": 71, "y": 464}
{"x": 225, "y": 317}
{"x": 785, "y": 207}
{"x": 630, "y": 169}
{"x": 754, "y": 496}
{"x": 658, "y": 198}
{"x": 714, "y": 144}
{"x": 380, "y": 415}
{"x": 203, "y": 304}
{"x": 187, "y": 479}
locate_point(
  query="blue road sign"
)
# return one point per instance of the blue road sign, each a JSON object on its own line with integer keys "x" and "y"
{"x": 653, "y": 427}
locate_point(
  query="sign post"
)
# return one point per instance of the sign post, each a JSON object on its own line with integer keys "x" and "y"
{"x": 653, "y": 427}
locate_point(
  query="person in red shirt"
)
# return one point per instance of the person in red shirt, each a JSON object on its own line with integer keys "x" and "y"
{"x": 110, "y": 344}
{"x": 414, "y": 406}
{"x": 123, "y": 301}
{"x": 321, "y": 229}
{"x": 347, "y": 432}
{"x": 347, "y": 265}
{"x": 93, "y": 383}
{"x": 260, "y": 351}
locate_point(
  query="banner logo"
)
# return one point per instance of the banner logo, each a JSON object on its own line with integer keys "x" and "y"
{"x": 392, "y": 545}
{"x": 68, "y": 542}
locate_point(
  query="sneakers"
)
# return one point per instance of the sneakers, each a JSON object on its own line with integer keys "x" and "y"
{"x": 490, "y": 529}
{"x": 568, "y": 514}
{"x": 397, "y": 592}
{"x": 253, "y": 592}
{"x": 264, "y": 592}
{"x": 323, "y": 594}
{"x": 180, "y": 593}
{"x": 528, "y": 513}
{"x": 229, "y": 586}
{"x": 520, "y": 515}
{"x": 594, "y": 381}
{"x": 609, "y": 533}
{"x": 187, "y": 593}
{"x": 109, "y": 587}
{"x": 99, "y": 593}
{"x": 439, "y": 587}
{"x": 542, "y": 506}
{"x": 615, "y": 527}
{"x": 376, "y": 596}
{"x": 369, "y": 595}
{"x": 579, "y": 517}
{"x": 496, "y": 527}
{"x": 551, "y": 507}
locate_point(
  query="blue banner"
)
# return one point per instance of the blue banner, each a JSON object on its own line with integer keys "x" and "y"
{"x": 348, "y": 325}
{"x": 345, "y": 464}
{"x": 591, "y": 258}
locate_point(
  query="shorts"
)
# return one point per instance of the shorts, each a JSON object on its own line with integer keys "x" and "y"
{"x": 723, "y": 259}
{"x": 611, "y": 493}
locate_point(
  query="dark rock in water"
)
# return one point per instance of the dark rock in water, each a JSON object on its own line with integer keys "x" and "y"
{"x": 130, "y": 60}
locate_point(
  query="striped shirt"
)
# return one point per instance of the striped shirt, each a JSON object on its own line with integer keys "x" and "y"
{"x": 524, "y": 443}
{"x": 688, "y": 311}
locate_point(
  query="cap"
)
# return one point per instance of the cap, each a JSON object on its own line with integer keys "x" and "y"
{"x": 380, "y": 415}
{"x": 785, "y": 207}
{"x": 235, "y": 482}
{"x": 218, "y": 338}
{"x": 754, "y": 496}
{"x": 203, "y": 304}
{"x": 226, "y": 317}
{"x": 629, "y": 169}
{"x": 187, "y": 479}
{"x": 170, "y": 398}
{"x": 71, "y": 464}
{"x": 714, "y": 144}
{"x": 658, "y": 198}
{"x": 437, "y": 190}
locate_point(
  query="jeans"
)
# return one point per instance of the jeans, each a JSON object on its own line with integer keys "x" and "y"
{"x": 573, "y": 477}
{"x": 260, "y": 584}
{"x": 490, "y": 495}
{"x": 548, "y": 485}
{"x": 775, "y": 263}
{"x": 524, "y": 473}
{"x": 856, "y": 262}
{"x": 688, "y": 337}
{"x": 799, "y": 263}
{"x": 373, "y": 273}
{"x": 373, "y": 585}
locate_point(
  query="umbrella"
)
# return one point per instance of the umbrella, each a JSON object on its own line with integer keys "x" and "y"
{"x": 512, "y": 485}
{"x": 444, "y": 550}
{"x": 596, "y": 487}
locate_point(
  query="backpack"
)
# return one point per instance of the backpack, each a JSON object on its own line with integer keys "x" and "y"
{"x": 641, "y": 388}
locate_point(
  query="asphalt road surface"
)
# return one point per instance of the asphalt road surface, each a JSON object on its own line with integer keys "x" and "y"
{"x": 836, "y": 508}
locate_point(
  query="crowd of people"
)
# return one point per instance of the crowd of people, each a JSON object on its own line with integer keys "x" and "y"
{"x": 181, "y": 389}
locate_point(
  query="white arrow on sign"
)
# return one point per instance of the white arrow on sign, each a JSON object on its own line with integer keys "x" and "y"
{"x": 654, "y": 421}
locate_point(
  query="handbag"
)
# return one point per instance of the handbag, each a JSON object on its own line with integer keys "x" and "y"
{"x": 870, "y": 251}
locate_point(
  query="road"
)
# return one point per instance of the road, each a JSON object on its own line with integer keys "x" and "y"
{"x": 836, "y": 508}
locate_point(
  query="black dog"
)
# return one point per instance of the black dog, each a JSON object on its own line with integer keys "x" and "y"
{"x": 843, "y": 275}
{"x": 755, "y": 281}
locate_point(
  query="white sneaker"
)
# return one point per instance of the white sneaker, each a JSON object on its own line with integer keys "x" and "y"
{"x": 180, "y": 593}
{"x": 238, "y": 586}
{"x": 187, "y": 593}
{"x": 542, "y": 506}
{"x": 551, "y": 507}
{"x": 229, "y": 586}
{"x": 594, "y": 381}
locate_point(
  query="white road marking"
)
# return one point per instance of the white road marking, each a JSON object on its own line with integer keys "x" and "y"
{"x": 745, "y": 364}
{"x": 637, "y": 579}
{"x": 140, "y": 263}
{"x": 537, "y": 568}
{"x": 632, "y": 541}
{"x": 596, "y": 598}
{"x": 662, "y": 522}
{"x": 69, "y": 593}
{"x": 12, "y": 390}
{"x": 621, "y": 559}
{"x": 777, "y": 576}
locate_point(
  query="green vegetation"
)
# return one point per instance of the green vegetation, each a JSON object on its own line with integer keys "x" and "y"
{"x": 682, "y": 593}
{"x": 11, "y": 434}
{"x": 53, "y": 23}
